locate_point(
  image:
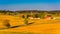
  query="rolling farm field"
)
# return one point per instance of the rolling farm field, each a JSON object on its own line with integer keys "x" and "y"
{"x": 17, "y": 25}
{"x": 40, "y": 26}
{"x": 29, "y": 16}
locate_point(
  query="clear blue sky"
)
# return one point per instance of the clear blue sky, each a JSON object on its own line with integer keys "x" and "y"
{"x": 29, "y": 4}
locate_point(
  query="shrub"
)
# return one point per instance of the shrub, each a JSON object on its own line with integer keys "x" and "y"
{"x": 6, "y": 23}
{"x": 26, "y": 21}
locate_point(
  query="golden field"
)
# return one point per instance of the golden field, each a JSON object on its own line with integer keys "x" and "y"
{"x": 40, "y": 26}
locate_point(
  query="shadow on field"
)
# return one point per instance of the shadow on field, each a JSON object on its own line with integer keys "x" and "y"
{"x": 8, "y": 26}
{"x": 22, "y": 25}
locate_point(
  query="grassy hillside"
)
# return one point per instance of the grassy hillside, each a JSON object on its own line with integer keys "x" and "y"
{"x": 29, "y": 22}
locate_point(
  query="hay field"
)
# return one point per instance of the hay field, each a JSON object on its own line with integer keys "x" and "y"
{"x": 40, "y": 26}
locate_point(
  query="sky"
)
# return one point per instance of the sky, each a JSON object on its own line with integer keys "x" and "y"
{"x": 29, "y": 5}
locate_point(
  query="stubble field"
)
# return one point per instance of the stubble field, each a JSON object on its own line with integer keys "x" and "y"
{"x": 40, "y": 26}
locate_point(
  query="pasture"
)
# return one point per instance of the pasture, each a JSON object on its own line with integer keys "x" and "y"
{"x": 19, "y": 25}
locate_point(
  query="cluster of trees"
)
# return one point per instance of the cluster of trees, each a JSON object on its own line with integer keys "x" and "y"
{"x": 33, "y": 12}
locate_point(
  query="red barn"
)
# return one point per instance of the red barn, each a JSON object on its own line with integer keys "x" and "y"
{"x": 48, "y": 17}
